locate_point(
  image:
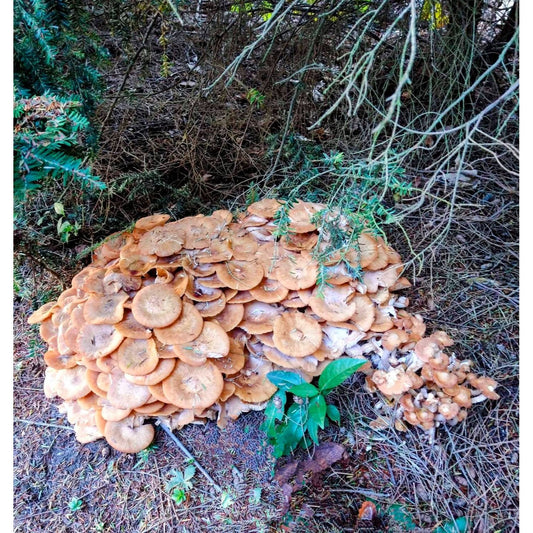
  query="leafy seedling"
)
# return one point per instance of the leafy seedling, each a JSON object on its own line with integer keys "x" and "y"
{"x": 75, "y": 504}
{"x": 292, "y": 421}
{"x": 180, "y": 483}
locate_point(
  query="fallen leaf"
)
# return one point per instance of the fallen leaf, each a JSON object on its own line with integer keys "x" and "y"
{"x": 291, "y": 476}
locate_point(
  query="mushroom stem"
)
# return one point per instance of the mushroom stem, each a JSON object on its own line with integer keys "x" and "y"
{"x": 479, "y": 398}
{"x": 186, "y": 452}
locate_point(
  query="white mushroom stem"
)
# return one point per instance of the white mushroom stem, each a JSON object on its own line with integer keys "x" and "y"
{"x": 440, "y": 418}
{"x": 389, "y": 309}
{"x": 411, "y": 360}
{"x": 479, "y": 398}
{"x": 431, "y": 435}
{"x": 420, "y": 397}
{"x": 360, "y": 287}
{"x": 399, "y": 303}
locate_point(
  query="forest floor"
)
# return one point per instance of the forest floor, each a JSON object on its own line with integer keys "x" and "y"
{"x": 471, "y": 470}
{"x": 466, "y": 284}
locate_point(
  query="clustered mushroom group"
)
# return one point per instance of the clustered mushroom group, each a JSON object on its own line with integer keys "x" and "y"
{"x": 183, "y": 320}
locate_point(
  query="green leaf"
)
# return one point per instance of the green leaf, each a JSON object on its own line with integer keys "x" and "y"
{"x": 304, "y": 390}
{"x": 317, "y": 410}
{"x": 226, "y": 500}
{"x": 256, "y": 495}
{"x": 338, "y": 371}
{"x": 179, "y": 496}
{"x": 333, "y": 413}
{"x": 284, "y": 380}
{"x": 459, "y": 525}
{"x": 274, "y": 412}
{"x": 189, "y": 472}
{"x": 402, "y": 517}
{"x": 312, "y": 429}
{"x": 59, "y": 208}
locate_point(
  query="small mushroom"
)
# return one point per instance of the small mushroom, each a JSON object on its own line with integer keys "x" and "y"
{"x": 129, "y": 435}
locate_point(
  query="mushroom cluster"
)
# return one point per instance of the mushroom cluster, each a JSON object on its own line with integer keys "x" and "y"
{"x": 184, "y": 320}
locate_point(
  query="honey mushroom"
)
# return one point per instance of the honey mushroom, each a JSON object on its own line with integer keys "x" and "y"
{"x": 184, "y": 320}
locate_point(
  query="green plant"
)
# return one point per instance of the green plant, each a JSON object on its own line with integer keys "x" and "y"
{"x": 292, "y": 421}
{"x": 75, "y": 504}
{"x": 145, "y": 454}
{"x": 255, "y": 97}
{"x": 47, "y": 144}
{"x": 55, "y": 51}
{"x": 180, "y": 483}
{"x": 226, "y": 500}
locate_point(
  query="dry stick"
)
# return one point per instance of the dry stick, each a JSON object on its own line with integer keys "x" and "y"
{"x": 186, "y": 452}
{"x": 130, "y": 67}
{"x": 33, "y": 423}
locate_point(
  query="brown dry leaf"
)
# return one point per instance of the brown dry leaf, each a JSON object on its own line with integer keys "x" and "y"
{"x": 291, "y": 476}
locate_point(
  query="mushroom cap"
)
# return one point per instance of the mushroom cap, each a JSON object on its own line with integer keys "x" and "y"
{"x": 163, "y": 369}
{"x": 213, "y": 342}
{"x": 442, "y": 338}
{"x": 382, "y": 259}
{"x": 58, "y": 361}
{"x": 129, "y": 327}
{"x": 486, "y": 385}
{"x": 230, "y": 317}
{"x": 105, "y": 308}
{"x": 393, "y": 382}
{"x": 193, "y": 387}
{"x": 365, "y": 312}
{"x": 199, "y": 231}
{"x": 297, "y": 271}
{"x": 299, "y": 241}
{"x": 42, "y": 313}
{"x": 162, "y": 241}
{"x": 393, "y": 338}
{"x": 269, "y": 291}
{"x": 156, "y": 306}
{"x": 279, "y": 358}
{"x": 448, "y": 409}
{"x": 137, "y": 357}
{"x": 296, "y": 334}
{"x": 97, "y": 340}
{"x": 300, "y": 216}
{"x": 185, "y": 329}
{"x": 252, "y": 384}
{"x": 259, "y": 317}
{"x": 240, "y": 275}
{"x": 149, "y": 222}
{"x": 129, "y": 435}
{"x": 125, "y": 395}
{"x": 332, "y": 302}
{"x": 426, "y": 349}
{"x": 444, "y": 378}
{"x": 265, "y": 208}
{"x": 198, "y": 292}
{"x": 231, "y": 363}
{"x": 134, "y": 263}
{"x": 386, "y": 278}
{"x": 366, "y": 253}
{"x": 211, "y": 308}
{"x": 243, "y": 246}
{"x": 218, "y": 251}
{"x": 70, "y": 383}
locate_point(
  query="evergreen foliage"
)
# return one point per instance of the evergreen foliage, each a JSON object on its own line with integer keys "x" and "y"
{"x": 55, "y": 52}
{"x": 46, "y": 144}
